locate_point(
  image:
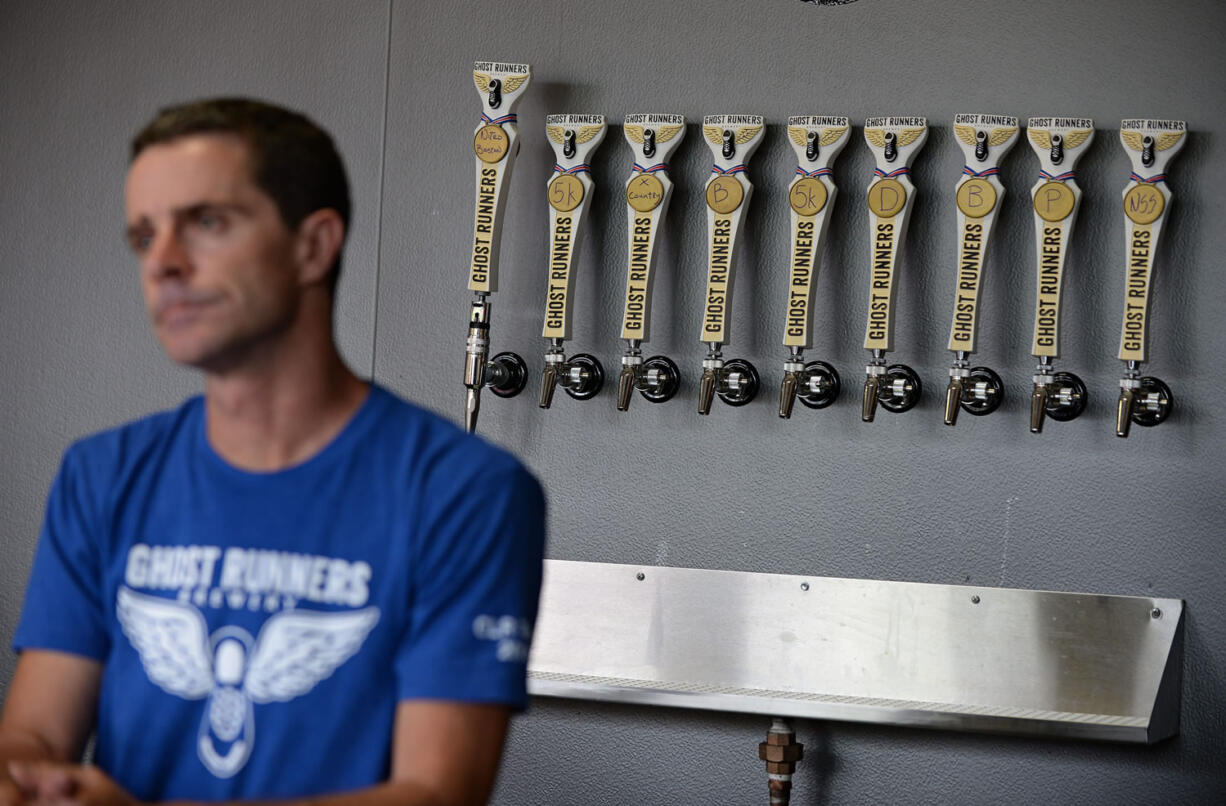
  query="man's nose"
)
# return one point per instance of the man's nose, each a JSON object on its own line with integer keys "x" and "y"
{"x": 166, "y": 256}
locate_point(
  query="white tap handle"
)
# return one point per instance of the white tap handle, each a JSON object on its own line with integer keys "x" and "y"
{"x": 569, "y": 191}
{"x": 817, "y": 141}
{"x": 1150, "y": 144}
{"x": 1056, "y": 198}
{"x": 732, "y": 140}
{"x": 496, "y": 144}
{"x": 653, "y": 139}
{"x": 894, "y": 141}
{"x": 984, "y": 139}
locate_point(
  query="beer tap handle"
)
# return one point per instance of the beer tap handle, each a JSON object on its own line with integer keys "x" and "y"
{"x": 732, "y": 140}
{"x": 569, "y": 193}
{"x": 984, "y": 140}
{"x": 1151, "y": 145}
{"x": 894, "y": 141}
{"x": 1058, "y": 143}
{"x": 495, "y": 146}
{"x": 817, "y": 142}
{"x": 653, "y": 138}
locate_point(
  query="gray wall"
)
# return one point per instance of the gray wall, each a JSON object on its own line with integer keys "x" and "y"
{"x": 902, "y": 498}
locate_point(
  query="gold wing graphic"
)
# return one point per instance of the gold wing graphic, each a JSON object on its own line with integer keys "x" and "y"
{"x": 799, "y": 136}
{"x": 714, "y": 133}
{"x": 1000, "y": 136}
{"x": 1040, "y": 137}
{"x": 512, "y": 83}
{"x": 831, "y": 135}
{"x": 587, "y": 133}
{"x": 635, "y": 133}
{"x": 556, "y": 133}
{"x": 966, "y": 134}
{"x": 1076, "y": 138}
{"x": 1134, "y": 140}
{"x": 875, "y": 137}
{"x": 666, "y": 133}
{"x": 746, "y": 134}
{"x": 483, "y": 81}
{"x": 1165, "y": 141}
{"x": 908, "y": 136}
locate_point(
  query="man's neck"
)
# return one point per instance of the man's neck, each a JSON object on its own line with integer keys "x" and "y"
{"x": 273, "y": 414}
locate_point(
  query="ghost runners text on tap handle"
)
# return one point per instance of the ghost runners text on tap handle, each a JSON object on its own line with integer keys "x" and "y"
{"x": 495, "y": 145}
{"x": 569, "y": 193}
{"x": 984, "y": 140}
{"x": 652, "y": 138}
{"x": 817, "y": 141}
{"x": 1055, "y": 196}
{"x": 732, "y": 140}
{"x": 1151, "y": 144}
{"x": 894, "y": 142}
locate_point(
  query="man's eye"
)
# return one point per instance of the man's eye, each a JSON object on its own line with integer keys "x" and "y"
{"x": 140, "y": 243}
{"x": 210, "y": 221}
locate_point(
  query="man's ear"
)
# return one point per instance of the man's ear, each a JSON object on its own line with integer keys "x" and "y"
{"x": 318, "y": 241}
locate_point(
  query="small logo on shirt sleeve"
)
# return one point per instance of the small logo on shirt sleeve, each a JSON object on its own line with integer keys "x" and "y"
{"x": 512, "y": 635}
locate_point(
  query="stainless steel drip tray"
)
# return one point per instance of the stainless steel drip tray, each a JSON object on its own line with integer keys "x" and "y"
{"x": 898, "y": 653}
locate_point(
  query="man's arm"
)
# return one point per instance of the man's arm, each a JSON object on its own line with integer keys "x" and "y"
{"x": 451, "y": 749}
{"x": 443, "y": 754}
{"x": 49, "y": 711}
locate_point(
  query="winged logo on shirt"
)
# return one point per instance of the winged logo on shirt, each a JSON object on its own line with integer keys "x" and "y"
{"x": 294, "y": 651}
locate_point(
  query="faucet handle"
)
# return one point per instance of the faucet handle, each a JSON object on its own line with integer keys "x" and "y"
{"x": 625, "y": 385}
{"x": 1146, "y": 401}
{"x": 706, "y": 385}
{"x": 787, "y": 392}
{"x": 549, "y": 379}
{"x": 1062, "y": 398}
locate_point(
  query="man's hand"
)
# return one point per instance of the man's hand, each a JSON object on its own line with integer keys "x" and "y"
{"x": 57, "y": 784}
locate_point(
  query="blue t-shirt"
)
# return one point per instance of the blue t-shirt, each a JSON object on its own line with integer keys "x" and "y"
{"x": 258, "y": 629}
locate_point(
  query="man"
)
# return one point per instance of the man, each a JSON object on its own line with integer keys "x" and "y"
{"x": 297, "y": 584}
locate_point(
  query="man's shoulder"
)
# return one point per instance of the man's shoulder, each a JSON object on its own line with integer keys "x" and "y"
{"x": 439, "y": 447}
{"x": 131, "y": 441}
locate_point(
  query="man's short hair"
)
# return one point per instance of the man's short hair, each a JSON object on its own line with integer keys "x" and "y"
{"x": 293, "y": 160}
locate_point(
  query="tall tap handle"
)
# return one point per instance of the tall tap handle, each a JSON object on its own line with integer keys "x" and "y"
{"x": 816, "y": 141}
{"x": 653, "y": 138}
{"x": 895, "y": 141}
{"x": 495, "y": 144}
{"x": 569, "y": 192}
{"x": 732, "y": 140}
{"x": 984, "y": 140}
{"x": 1058, "y": 143}
{"x": 1151, "y": 145}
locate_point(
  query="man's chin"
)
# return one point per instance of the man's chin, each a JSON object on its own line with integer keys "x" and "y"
{"x": 207, "y": 358}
